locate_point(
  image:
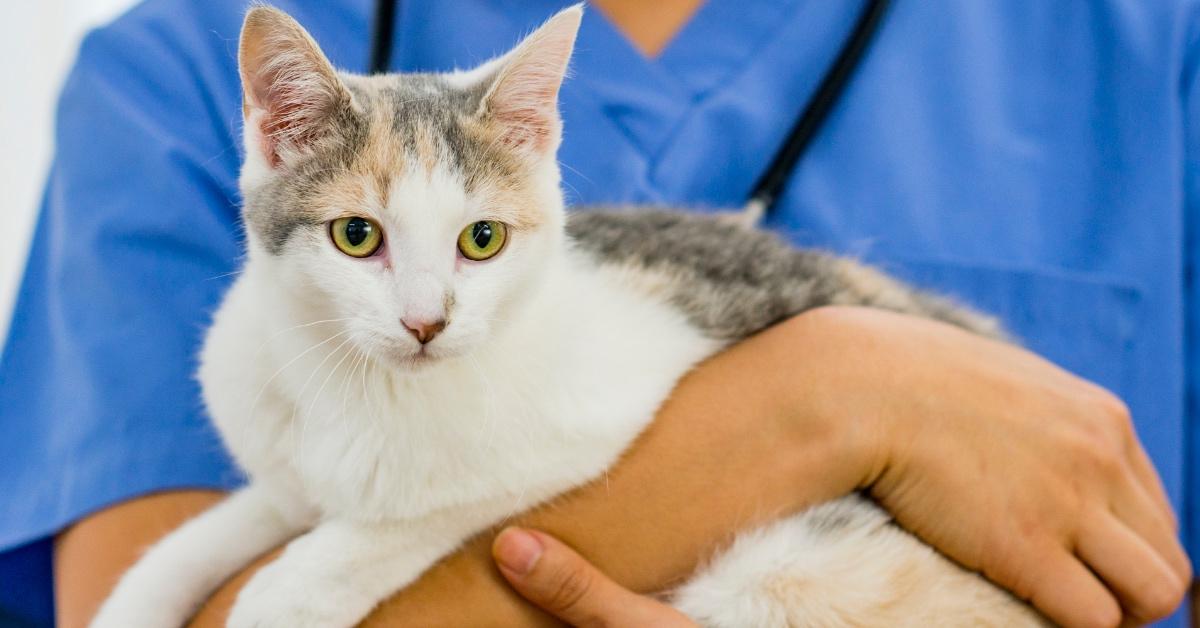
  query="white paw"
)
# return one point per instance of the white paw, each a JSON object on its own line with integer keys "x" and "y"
{"x": 279, "y": 596}
{"x": 141, "y": 600}
{"x": 123, "y": 610}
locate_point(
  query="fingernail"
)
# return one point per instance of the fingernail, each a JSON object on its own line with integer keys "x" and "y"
{"x": 517, "y": 550}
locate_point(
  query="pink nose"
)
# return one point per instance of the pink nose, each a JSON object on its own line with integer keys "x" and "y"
{"x": 424, "y": 331}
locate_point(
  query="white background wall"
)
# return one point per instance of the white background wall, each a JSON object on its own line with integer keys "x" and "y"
{"x": 38, "y": 41}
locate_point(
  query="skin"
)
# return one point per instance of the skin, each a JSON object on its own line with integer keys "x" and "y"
{"x": 90, "y": 555}
{"x": 649, "y": 26}
{"x": 559, "y": 580}
{"x": 863, "y": 419}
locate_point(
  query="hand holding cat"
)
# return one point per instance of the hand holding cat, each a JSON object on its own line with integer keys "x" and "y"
{"x": 1002, "y": 461}
{"x": 1012, "y": 467}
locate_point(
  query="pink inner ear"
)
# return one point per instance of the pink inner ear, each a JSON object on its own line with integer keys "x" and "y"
{"x": 287, "y": 121}
{"x": 524, "y": 99}
{"x": 290, "y": 87}
{"x": 528, "y": 121}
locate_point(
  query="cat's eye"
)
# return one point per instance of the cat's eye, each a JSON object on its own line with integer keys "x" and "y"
{"x": 482, "y": 240}
{"x": 356, "y": 236}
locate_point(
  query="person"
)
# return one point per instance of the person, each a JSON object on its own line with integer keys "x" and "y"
{"x": 1032, "y": 159}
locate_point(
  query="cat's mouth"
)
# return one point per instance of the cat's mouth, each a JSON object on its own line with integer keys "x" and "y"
{"x": 407, "y": 358}
{"x": 404, "y": 354}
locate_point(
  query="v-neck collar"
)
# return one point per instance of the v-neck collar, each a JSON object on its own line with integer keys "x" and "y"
{"x": 648, "y": 97}
{"x": 721, "y": 37}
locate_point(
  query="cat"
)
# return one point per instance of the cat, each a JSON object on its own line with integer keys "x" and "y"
{"x": 423, "y": 343}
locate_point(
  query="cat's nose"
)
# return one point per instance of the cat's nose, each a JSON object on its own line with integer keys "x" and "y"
{"x": 423, "y": 331}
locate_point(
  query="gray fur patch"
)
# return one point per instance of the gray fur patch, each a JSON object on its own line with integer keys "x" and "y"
{"x": 423, "y": 102}
{"x": 732, "y": 282}
{"x": 285, "y": 204}
{"x": 853, "y": 511}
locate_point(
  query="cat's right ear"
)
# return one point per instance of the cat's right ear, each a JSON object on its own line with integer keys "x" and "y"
{"x": 521, "y": 101}
{"x": 289, "y": 89}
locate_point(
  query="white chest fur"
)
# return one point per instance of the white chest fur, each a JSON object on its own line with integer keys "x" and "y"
{"x": 547, "y": 406}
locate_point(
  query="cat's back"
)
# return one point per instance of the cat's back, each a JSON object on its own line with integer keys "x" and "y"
{"x": 732, "y": 281}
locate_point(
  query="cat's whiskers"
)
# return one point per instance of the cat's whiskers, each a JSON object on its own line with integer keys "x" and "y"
{"x": 223, "y": 275}
{"x": 368, "y": 398}
{"x": 346, "y": 381}
{"x": 329, "y": 375}
{"x": 562, "y": 164}
{"x": 279, "y": 333}
{"x": 299, "y": 397}
{"x": 574, "y": 189}
{"x": 280, "y": 370}
{"x": 341, "y": 420}
{"x": 373, "y": 412}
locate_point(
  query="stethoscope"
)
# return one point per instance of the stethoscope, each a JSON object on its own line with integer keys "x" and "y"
{"x": 770, "y": 185}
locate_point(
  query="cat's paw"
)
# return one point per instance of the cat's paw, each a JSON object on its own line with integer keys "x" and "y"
{"x": 143, "y": 601}
{"x": 123, "y": 611}
{"x": 279, "y": 596}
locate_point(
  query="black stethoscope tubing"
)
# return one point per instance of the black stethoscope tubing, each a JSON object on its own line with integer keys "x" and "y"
{"x": 382, "y": 31}
{"x": 770, "y": 185}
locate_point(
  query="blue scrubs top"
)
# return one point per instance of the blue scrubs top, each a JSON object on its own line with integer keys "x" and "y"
{"x": 1037, "y": 159}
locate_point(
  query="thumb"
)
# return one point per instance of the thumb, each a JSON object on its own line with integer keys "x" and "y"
{"x": 552, "y": 576}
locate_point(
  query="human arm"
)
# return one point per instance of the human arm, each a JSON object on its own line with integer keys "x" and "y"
{"x": 91, "y": 555}
{"x": 831, "y": 401}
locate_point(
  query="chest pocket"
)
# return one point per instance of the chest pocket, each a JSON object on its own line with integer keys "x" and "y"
{"x": 1086, "y": 323}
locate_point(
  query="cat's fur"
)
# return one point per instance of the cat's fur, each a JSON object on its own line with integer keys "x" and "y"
{"x": 385, "y": 456}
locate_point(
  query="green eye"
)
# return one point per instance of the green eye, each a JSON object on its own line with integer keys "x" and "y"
{"x": 355, "y": 236}
{"x": 482, "y": 240}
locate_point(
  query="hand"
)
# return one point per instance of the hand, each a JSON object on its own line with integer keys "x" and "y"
{"x": 1007, "y": 464}
{"x": 561, "y": 582}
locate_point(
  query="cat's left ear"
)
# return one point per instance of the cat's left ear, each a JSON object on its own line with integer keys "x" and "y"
{"x": 522, "y": 99}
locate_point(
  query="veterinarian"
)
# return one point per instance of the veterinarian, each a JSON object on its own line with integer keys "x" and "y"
{"x": 1034, "y": 159}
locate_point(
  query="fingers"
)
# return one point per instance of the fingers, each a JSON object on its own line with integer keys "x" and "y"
{"x": 1148, "y": 587}
{"x": 1148, "y": 477}
{"x": 555, "y": 578}
{"x": 1070, "y": 595}
{"x": 1140, "y": 512}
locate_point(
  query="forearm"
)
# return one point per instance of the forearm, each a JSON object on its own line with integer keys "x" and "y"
{"x": 90, "y": 556}
{"x": 696, "y": 475}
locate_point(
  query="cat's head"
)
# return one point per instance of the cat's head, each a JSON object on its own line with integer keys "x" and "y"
{"x": 414, "y": 211}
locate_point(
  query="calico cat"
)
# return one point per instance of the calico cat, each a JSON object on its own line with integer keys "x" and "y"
{"x": 423, "y": 343}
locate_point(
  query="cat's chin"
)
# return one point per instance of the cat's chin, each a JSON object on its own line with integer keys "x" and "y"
{"x": 407, "y": 359}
